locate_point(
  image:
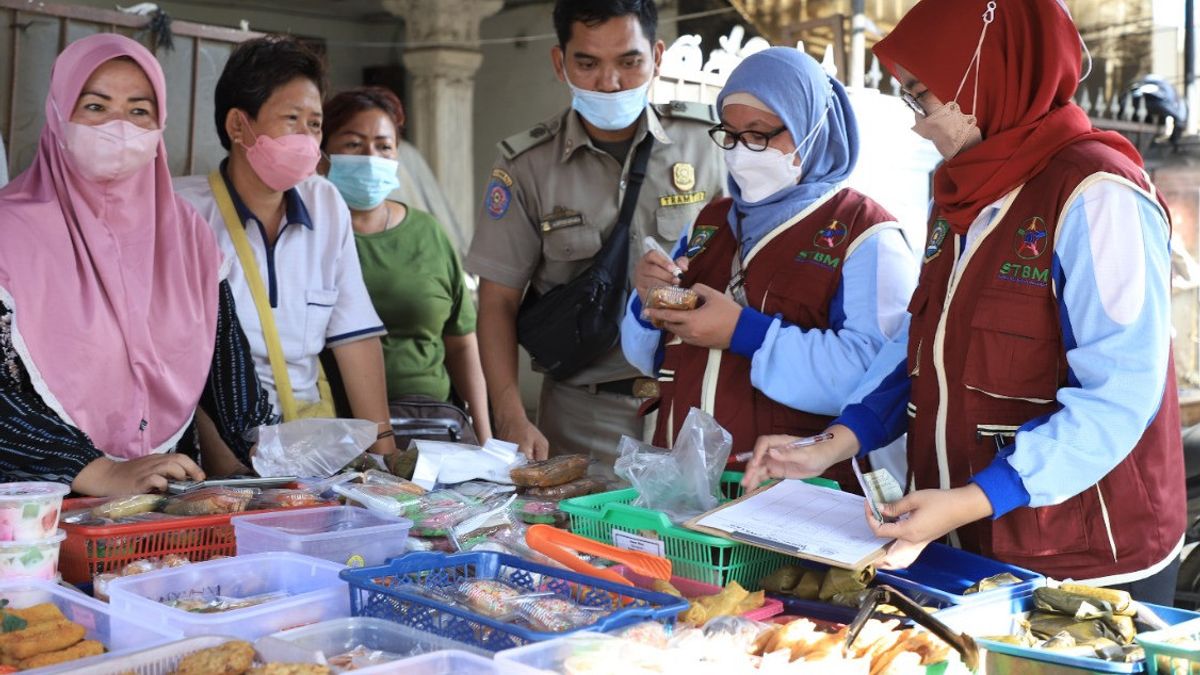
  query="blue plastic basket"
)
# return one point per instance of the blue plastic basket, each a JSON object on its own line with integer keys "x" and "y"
{"x": 394, "y": 592}
{"x": 941, "y": 573}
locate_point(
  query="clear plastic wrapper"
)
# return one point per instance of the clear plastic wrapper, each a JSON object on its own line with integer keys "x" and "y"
{"x": 550, "y": 472}
{"x": 101, "y": 581}
{"x": 576, "y": 488}
{"x": 392, "y": 500}
{"x": 311, "y": 448}
{"x": 209, "y": 603}
{"x": 489, "y": 597}
{"x": 685, "y": 481}
{"x": 540, "y": 511}
{"x": 209, "y": 501}
{"x": 377, "y": 477}
{"x": 124, "y": 507}
{"x": 436, "y": 514}
{"x": 553, "y": 613}
{"x": 483, "y": 490}
{"x": 362, "y": 657}
{"x": 282, "y": 498}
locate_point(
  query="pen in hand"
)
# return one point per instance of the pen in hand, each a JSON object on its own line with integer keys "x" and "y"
{"x": 798, "y": 443}
{"x": 651, "y": 244}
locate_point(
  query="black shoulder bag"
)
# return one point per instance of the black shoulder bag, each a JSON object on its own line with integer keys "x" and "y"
{"x": 572, "y": 325}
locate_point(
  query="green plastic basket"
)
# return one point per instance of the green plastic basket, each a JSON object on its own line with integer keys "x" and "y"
{"x": 693, "y": 555}
{"x": 1172, "y": 659}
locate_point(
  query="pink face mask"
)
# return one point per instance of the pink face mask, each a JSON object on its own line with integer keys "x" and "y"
{"x": 111, "y": 151}
{"x": 281, "y": 163}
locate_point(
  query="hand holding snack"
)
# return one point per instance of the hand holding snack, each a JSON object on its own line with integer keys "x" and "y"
{"x": 656, "y": 268}
{"x": 709, "y": 325}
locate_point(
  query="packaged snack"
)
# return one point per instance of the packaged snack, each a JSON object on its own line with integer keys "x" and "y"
{"x": 553, "y": 613}
{"x": 550, "y": 472}
{"x": 672, "y": 297}
{"x": 29, "y": 511}
{"x": 209, "y": 501}
{"x": 537, "y": 511}
{"x": 362, "y": 657}
{"x": 376, "y": 477}
{"x": 487, "y": 596}
{"x": 201, "y": 602}
{"x": 576, "y": 488}
{"x": 392, "y": 500}
{"x": 436, "y": 513}
{"x": 124, "y": 507}
{"x": 282, "y": 498}
{"x": 101, "y": 581}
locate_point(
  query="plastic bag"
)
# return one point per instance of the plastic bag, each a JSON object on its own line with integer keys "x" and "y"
{"x": 685, "y": 481}
{"x": 311, "y": 448}
{"x": 449, "y": 463}
{"x": 210, "y": 501}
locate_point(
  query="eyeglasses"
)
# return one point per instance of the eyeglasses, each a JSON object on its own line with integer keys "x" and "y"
{"x": 914, "y": 102}
{"x": 753, "y": 140}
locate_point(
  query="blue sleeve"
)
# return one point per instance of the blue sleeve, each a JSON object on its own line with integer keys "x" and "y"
{"x": 640, "y": 340}
{"x": 1111, "y": 272}
{"x": 877, "y": 412}
{"x": 818, "y": 370}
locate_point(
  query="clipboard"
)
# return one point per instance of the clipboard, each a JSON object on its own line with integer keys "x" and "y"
{"x": 812, "y": 553}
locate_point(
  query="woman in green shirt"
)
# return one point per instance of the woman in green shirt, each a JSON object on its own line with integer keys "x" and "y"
{"x": 412, "y": 272}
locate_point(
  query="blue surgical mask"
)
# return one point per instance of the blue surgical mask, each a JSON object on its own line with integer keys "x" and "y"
{"x": 610, "y": 111}
{"x": 364, "y": 181}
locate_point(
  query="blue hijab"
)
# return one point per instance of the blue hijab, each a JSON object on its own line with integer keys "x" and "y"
{"x": 794, "y": 86}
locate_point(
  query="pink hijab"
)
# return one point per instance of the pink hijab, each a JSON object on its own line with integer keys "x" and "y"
{"x": 113, "y": 288}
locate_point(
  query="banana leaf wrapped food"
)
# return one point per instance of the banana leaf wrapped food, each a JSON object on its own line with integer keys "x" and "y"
{"x": 1081, "y": 607}
{"x": 994, "y": 581}
{"x": 843, "y": 582}
{"x": 1121, "y": 601}
{"x": 1046, "y": 625}
{"x": 784, "y": 579}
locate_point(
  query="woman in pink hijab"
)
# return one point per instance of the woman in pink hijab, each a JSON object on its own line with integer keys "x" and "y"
{"x": 115, "y": 321}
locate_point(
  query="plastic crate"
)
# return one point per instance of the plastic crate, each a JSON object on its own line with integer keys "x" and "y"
{"x": 1168, "y": 659}
{"x": 694, "y": 589}
{"x": 314, "y": 594}
{"x": 118, "y": 633}
{"x": 346, "y": 535}
{"x": 693, "y": 555}
{"x": 941, "y": 573}
{"x": 1000, "y": 617}
{"x": 394, "y": 592}
{"x": 90, "y": 550}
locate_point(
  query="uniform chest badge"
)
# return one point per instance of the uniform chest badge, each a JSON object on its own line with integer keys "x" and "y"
{"x": 936, "y": 237}
{"x": 683, "y": 176}
{"x": 700, "y": 236}
{"x": 1031, "y": 238}
{"x": 831, "y": 236}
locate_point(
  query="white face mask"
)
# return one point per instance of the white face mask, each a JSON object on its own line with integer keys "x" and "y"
{"x": 760, "y": 175}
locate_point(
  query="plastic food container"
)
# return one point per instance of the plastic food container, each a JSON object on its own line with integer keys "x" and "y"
{"x": 342, "y": 534}
{"x": 311, "y": 588}
{"x": 36, "y": 559}
{"x": 29, "y": 511}
{"x": 941, "y": 574}
{"x": 339, "y": 636}
{"x": 441, "y": 663}
{"x": 118, "y": 632}
{"x": 999, "y": 617}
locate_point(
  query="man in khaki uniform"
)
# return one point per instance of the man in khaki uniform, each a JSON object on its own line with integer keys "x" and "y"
{"x": 552, "y": 200}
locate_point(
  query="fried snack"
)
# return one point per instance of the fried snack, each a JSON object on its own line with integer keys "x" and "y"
{"x": 232, "y": 658}
{"x": 125, "y": 507}
{"x": 576, "y": 488}
{"x": 290, "y": 669}
{"x": 78, "y": 651}
{"x": 35, "y": 614}
{"x": 550, "y": 472}
{"x": 44, "y": 637}
{"x": 209, "y": 501}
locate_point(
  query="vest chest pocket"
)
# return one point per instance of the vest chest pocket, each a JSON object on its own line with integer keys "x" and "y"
{"x": 1013, "y": 348}
{"x": 916, "y": 333}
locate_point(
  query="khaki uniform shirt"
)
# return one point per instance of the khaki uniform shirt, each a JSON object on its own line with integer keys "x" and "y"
{"x": 553, "y": 198}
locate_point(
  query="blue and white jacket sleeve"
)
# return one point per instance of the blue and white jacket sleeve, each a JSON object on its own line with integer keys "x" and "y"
{"x": 877, "y": 409}
{"x": 1111, "y": 273}
{"x": 817, "y": 370}
{"x": 640, "y": 341}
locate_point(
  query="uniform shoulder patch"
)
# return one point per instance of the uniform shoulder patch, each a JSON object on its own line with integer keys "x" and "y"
{"x": 688, "y": 110}
{"x": 498, "y": 195}
{"x": 515, "y": 145}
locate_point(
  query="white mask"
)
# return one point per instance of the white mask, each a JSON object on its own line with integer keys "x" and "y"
{"x": 761, "y": 174}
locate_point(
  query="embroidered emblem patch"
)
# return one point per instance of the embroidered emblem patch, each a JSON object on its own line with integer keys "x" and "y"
{"x": 831, "y": 235}
{"x": 498, "y": 195}
{"x": 700, "y": 236}
{"x": 1031, "y": 239}
{"x": 683, "y": 176}
{"x": 936, "y": 237}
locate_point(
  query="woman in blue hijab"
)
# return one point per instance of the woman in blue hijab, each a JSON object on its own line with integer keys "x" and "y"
{"x": 801, "y": 281}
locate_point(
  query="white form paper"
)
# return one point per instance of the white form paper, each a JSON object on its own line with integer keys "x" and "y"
{"x": 812, "y": 520}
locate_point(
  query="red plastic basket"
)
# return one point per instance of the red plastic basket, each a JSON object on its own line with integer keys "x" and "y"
{"x": 95, "y": 549}
{"x": 694, "y": 589}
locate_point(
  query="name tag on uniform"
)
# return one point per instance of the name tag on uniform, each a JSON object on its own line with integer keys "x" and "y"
{"x": 560, "y": 219}
{"x": 682, "y": 199}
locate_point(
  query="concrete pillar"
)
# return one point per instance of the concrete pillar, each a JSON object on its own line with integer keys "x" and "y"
{"x": 442, "y": 62}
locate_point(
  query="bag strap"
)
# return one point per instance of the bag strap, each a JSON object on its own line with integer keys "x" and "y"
{"x": 241, "y": 244}
{"x": 613, "y": 258}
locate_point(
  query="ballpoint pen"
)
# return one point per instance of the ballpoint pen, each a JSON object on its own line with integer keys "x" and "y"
{"x": 651, "y": 244}
{"x": 798, "y": 443}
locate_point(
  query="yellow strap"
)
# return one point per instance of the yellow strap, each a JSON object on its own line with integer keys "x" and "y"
{"x": 283, "y": 383}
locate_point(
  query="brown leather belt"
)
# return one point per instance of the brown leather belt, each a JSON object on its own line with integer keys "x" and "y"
{"x": 637, "y": 387}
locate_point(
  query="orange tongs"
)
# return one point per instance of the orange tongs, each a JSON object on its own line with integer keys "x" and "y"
{"x": 561, "y": 546}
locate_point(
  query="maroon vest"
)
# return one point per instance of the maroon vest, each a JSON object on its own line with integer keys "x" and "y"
{"x": 1001, "y": 359}
{"x": 795, "y": 276}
